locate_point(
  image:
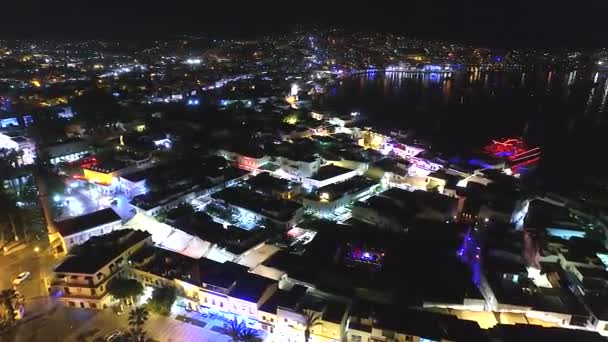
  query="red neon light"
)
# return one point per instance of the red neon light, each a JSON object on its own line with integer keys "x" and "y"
{"x": 512, "y": 149}
{"x": 527, "y": 162}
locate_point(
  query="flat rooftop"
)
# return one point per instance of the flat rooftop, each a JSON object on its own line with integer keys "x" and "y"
{"x": 250, "y": 287}
{"x": 108, "y": 166}
{"x": 164, "y": 263}
{"x": 330, "y": 171}
{"x": 280, "y": 210}
{"x": 264, "y": 181}
{"x": 98, "y": 251}
{"x": 88, "y": 221}
{"x": 351, "y": 186}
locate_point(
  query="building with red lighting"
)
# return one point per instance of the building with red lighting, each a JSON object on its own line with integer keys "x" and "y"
{"x": 515, "y": 151}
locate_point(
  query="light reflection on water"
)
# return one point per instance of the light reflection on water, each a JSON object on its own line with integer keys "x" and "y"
{"x": 562, "y": 111}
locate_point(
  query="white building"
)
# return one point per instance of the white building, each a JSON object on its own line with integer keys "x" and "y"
{"x": 327, "y": 175}
{"x": 77, "y": 230}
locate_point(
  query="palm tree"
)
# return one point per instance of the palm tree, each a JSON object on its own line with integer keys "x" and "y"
{"x": 311, "y": 320}
{"x": 137, "y": 319}
{"x": 239, "y": 332}
{"x": 249, "y": 335}
{"x": 8, "y": 298}
{"x": 138, "y": 316}
{"x": 233, "y": 329}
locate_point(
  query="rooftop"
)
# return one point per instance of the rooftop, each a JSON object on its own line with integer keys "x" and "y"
{"x": 222, "y": 275}
{"x": 337, "y": 190}
{"x": 525, "y": 332}
{"x": 85, "y": 222}
{"x": 284, "y": 299}
{"x": 330, "y": 171}
{"x": 280, "y": 210}
{"x": 267, "y": 183}
{"x": 108, "y": 166}
{"x": 99, "y": 251}
{"x": 164, "y": 263}
{"x": 250, "y": 287}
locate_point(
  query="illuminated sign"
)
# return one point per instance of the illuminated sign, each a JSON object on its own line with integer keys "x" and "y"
{"x": 9, "y": 122}
{"x": 98, "y": 177}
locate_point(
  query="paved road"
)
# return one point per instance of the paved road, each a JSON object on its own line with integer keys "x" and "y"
{"x": 39, "y": 264}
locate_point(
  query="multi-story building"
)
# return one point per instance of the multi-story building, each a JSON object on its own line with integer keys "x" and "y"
{"x": 299, "y": 168}
{"x": 281, "y": 213}
{"x": 81, "y": 279}
{"x": 327, "y": 175}
{"x": 78, "y": 230}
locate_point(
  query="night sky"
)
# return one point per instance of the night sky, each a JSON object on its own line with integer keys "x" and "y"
{"x": 493, "y": 23}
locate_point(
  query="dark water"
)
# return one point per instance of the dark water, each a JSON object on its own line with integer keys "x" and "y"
{"x": 563, "y": 112}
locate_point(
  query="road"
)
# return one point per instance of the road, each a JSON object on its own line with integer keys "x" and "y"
{"x": 39, "y": 264}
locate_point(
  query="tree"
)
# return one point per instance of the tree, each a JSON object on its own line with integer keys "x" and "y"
{"x": 137, "y": 319}
{"x": 8, "y": 298}
{"x": 239, "y": 332}
{"x": 138, "y": 316}
{"x": 8, "y": 214}
{"x": 162, "y": 300}
{"x": 311, "y": 320}
{"x": 125, "y": 289}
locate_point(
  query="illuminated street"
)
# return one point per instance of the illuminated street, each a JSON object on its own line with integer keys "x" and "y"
{"x": 39, "y": 264}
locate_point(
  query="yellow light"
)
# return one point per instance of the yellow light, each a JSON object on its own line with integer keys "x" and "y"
{"x": 36, "y": 249}
{"x": 36, "y": 83}
{"x": 290, "y": 99}
{"x": 291, "y": 119}
{"x": 98, "y": 177}
{"x": 324, "y": 197}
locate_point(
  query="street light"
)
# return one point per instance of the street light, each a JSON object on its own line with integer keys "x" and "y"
{"x": 36, "y": 249}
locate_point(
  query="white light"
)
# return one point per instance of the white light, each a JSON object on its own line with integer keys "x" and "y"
{"x": 294, "y": 89}
{"x": 56, "y": 198}
{"x": 193, "y": 61}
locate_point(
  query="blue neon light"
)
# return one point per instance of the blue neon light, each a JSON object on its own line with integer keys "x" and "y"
{"x": 478, "y": 162}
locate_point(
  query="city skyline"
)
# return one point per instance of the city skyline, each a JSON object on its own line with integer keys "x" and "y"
{"x": 494, "y": 24}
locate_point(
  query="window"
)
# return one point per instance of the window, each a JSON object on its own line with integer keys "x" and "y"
{"x": 213, "y": 301}
{"x": 356, "y": 338}
{"x": 285, "y": 320}
{"x": 206, "y": 300}
{"x": 92, "y": 292}
{"x": 93, "y": 305}
{"x": 409, "y": 338}
{"x": 221, "y": 304}
{"x": 271, "y": 320}
{"x": 263, "y": 318}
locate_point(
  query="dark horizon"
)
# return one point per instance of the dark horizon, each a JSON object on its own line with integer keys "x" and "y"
{"x": 518, "y": 24}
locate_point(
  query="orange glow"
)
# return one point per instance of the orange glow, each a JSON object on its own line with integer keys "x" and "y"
{"x": 98, "y": 177}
